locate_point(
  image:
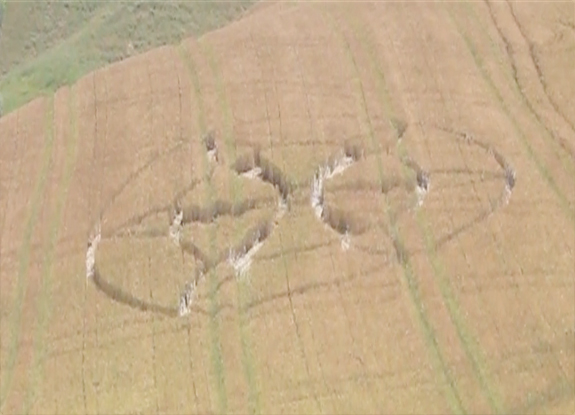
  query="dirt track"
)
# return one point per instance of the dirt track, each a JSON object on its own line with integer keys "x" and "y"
{"x": 461, "y": 304}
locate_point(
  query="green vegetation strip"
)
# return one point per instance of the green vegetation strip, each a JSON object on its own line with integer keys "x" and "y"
{"x": 45, "y": 306}
{"x": 243, "y": 289}
{"x": 543, "y": 171}
{"x": 284, "y": 255}
{"x": 521, "y": 95}
{"x": 66, "y": 40}
{"x": 24, "y": 255}
{"x": 215, "y": 337}
{"x": 452, "y": 393}
{"x": 60, "y": 65}
{"x": 468, "y": 342}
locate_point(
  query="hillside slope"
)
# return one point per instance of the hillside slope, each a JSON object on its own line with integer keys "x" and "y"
{"x": 412, "y": 221}
{"x": 46, "y": 45}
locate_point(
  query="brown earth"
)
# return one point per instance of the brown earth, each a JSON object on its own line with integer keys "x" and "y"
{"x": 463, "y": 305}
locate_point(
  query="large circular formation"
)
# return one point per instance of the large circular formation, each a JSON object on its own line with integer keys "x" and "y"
{"x": 317, "y": 192}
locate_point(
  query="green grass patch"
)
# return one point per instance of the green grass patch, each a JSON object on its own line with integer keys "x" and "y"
{"x": 46, "y": 45}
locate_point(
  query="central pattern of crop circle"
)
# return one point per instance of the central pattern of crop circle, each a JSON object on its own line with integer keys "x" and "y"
{"x": 338, "y": 186}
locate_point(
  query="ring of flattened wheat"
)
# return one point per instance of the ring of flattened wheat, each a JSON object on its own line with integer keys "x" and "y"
{"x": 238, "y": 256}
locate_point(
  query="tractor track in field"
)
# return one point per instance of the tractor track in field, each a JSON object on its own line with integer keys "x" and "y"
{"x": 562, "y": 141}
